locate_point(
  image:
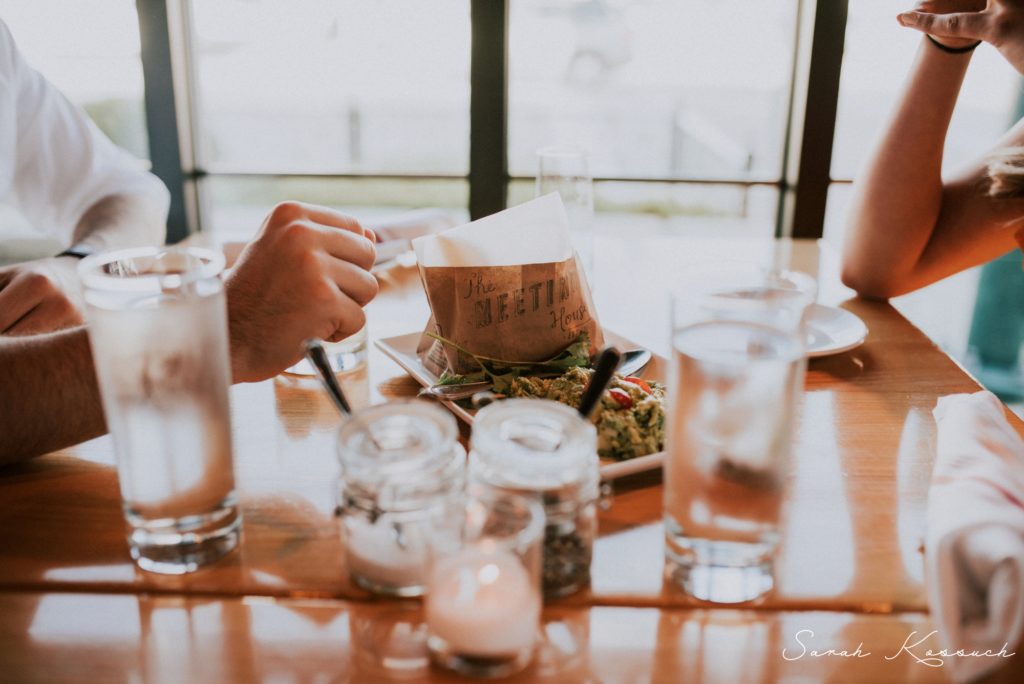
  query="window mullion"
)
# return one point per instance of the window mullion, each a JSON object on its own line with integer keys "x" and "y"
{"x": 488, "y": 125}
{"x": 812, "y": 118}
{"x": 161, "y": 112}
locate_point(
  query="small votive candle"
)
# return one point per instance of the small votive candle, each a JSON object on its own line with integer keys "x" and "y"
{"x": 483, "y": 604}
{"x": 386, "y": 556}
{"x": 483, "y": 600}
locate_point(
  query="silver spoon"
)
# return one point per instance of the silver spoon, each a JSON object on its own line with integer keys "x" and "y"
{"x": 453, "y": 392}
{"x": 633, "y": 362}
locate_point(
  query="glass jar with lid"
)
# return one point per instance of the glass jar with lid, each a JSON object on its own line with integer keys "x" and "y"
{"x": 545, "y": 448}
{"x": 400, "y": 464}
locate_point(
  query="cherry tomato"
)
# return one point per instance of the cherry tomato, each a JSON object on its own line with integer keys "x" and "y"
{"x": 639, "y": 383}
{"x": 621, "y": 397}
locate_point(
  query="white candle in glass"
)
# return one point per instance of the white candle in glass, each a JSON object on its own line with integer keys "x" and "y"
{"x": 374, "y": 554}
{"x": 481, "y": 602}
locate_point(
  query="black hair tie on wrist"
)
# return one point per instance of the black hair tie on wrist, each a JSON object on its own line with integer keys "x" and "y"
{"x": 78, "y": 251}
{"x": 952, "y": 50}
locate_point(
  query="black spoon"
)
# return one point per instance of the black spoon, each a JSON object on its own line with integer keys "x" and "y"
{"x": 607, "y": 361}
{"x": 318, "y": 357}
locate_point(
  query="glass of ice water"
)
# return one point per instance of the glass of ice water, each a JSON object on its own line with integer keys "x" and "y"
{"x": 158, "y": 327}
{"x": 565, "y": 169}
{"x": 738, "y": 339}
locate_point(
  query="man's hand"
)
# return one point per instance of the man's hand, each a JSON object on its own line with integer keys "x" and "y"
{"x": 959, "y": 23}
{"x": 39, "y": 296}
{"x": 307, "y": 274}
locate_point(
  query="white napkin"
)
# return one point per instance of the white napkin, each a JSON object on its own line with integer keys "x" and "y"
{"x": 534, "y": 232}
{"x": 975, "y": 532}
{"x": 396, "y": 233}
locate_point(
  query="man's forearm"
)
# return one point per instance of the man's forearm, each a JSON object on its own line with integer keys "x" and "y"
{"x": 125, "y": 220}
{"x": 898, "y": 197}
{"x": 49, "y": 397}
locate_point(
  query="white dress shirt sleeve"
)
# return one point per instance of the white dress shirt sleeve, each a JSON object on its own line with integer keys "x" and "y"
{"x": 54, "y": 162}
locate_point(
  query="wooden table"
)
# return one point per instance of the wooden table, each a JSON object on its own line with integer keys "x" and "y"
{"x": 73, "y": 607}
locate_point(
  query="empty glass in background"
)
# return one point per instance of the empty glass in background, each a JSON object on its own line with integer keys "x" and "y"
{"x": 565, "y": 169}
{"x": 158, "y": 328}
{"x": 738, "y": 364}
{"x": 345, "y": 356}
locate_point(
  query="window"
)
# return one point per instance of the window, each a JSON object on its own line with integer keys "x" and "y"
{"x": 332, "y": 86}
{"x": 657, "y": 90}
{"x": 343, "y": 102}
{"x": 365, "y": 104}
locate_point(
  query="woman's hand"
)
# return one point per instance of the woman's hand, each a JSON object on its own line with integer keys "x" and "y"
{"x": 959, "y": 23}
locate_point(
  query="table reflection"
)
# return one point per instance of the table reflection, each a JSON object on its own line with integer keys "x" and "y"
{"x": 96, "y": 637}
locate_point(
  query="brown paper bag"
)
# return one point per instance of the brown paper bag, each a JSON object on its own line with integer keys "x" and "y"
{"x": 507, "y": 287}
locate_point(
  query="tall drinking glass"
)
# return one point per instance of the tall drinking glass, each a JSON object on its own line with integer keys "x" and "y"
{"x": 158, "y": 328}
{"x": 738, "y": 339}
{"x": 565, "y": 169}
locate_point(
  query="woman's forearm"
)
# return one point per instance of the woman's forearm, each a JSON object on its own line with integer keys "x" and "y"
{"x": 49, "y": 397}
{"x": 898, "y": 197}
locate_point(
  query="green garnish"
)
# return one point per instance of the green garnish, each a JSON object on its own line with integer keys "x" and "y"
{"x": 501, "y": 372}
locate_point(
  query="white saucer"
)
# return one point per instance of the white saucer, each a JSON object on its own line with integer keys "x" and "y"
{"x": 832, "y": 331}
